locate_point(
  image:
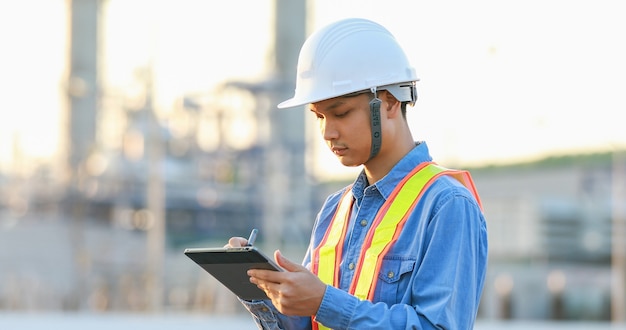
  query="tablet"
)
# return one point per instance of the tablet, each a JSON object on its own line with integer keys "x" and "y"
{"x": 229, "y": 266}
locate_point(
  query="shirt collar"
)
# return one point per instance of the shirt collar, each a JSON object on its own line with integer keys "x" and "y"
{"x": 387, "y": 184}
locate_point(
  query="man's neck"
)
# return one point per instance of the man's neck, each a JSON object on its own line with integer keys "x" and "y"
{"x": 377, "y": 167}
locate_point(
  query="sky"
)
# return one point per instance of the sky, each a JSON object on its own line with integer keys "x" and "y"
{"x": 31, "y": 65}
{"x": 500, "y": 81}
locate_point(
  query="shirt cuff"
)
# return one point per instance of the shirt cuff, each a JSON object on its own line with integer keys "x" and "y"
{"x": 260, "y": 310}
{"x": 336, "y": 308}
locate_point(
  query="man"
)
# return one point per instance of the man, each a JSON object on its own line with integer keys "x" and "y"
{"x": 405, "y": 245}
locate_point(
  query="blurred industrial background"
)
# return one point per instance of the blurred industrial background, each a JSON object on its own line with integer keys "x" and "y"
{"x": 100, "y": 226}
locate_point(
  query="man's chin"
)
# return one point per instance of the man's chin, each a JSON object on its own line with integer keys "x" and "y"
{"x": 348, "y": 162}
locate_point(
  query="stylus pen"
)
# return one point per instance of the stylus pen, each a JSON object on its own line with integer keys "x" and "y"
{"x": 252, "y": 237}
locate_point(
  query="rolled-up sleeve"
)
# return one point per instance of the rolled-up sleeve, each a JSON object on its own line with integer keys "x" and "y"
{"x": 267, "y": 317}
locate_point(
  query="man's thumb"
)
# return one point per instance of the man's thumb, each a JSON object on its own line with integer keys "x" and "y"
{"x": 286, "y": 263}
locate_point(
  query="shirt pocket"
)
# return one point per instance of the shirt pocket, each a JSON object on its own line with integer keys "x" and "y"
{"x": 393, "y": 279}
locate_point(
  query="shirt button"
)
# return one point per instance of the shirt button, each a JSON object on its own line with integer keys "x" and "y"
{"x": 351, "y": 266}
{"x": 363, "y": 223}
{"x": 390, "y": 274}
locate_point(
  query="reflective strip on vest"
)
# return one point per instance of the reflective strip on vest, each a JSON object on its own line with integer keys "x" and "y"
{"x": 385, "y": 230}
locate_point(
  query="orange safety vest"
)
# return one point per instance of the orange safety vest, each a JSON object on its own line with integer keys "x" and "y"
{"x": 385, "y": 230}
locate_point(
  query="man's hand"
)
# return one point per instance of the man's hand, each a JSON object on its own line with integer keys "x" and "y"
{"x": 296, "y": 291}
{"x": 236, "y": 242}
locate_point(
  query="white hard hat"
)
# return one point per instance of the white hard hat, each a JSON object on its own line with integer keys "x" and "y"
{"x": 348, "y": 56}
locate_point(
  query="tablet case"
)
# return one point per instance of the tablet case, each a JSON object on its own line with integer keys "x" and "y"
{"x": 229, "y": 266}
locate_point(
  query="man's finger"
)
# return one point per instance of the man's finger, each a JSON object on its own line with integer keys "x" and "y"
{"x": 236, "y": 242}
{"x": 285, "y": 263}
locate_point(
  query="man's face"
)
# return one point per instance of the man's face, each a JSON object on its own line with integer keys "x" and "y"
{"x": 345, "y": 126}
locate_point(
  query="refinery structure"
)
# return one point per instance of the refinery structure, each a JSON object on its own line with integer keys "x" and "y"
{"x": 105, "y": 229}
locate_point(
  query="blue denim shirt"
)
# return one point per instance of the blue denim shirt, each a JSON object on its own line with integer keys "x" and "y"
{"x": 431, "y": 278}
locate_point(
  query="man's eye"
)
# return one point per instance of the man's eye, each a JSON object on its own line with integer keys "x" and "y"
{"x": 341, "y": 114}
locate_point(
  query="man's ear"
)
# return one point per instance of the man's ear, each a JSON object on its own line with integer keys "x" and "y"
{"x": 393, "y": 105}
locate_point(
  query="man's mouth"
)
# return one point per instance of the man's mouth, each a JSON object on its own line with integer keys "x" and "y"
{"x": 339, "y": 151}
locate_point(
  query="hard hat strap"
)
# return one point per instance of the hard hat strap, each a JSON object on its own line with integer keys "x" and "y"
{"x": 375, "y": 123}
